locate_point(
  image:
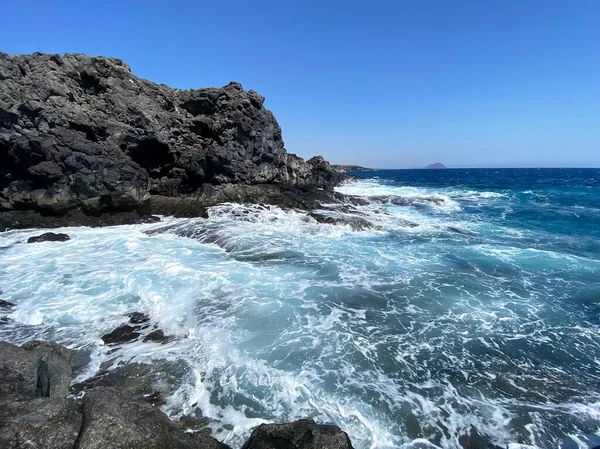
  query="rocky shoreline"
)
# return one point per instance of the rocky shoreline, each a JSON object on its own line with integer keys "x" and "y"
{"x": 83, "y": 141}
{"x": 36, "y": 412}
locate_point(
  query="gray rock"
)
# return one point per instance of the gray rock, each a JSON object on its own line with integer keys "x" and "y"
{"x": 49, "y": 237}
{"x": 122, "y": 423}
{"x": 37, "y": 369}
{"x": 302, "y": 434}
{"x": 82, "y": 137}
{"x": 48, "y": 423}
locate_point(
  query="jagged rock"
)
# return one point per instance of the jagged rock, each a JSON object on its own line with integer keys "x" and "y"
{"x": 126, "y": 333}
{"x": 302, "y": 434}
{"x": 157, "y": 335}
{"x": 49, "y": 237}
{"x": 150, "y": 382}
{"x": 6, "y": 304}
{"x": 122, "y": 334}
{"x": 82, "y": 137}
{"x": 138, "y": 318}
{"x": 36, "y": 369}
{"x": 49, "y": 423}
{"x": 123, "y": 423}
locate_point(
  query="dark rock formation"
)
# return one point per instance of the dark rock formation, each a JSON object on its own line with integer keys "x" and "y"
{"x": 84, "y": 141}
{"x": 436, "y": 165}
{"x": 49, "y": 237}
{"x": 302, "y": 434}
{"x": 34, "y": 411}
{"x": 114, "y": 421}
{"x": 6, "y": 304}
{"x": 139, "y": 323}
{"x": 49, "y": 423}
{"x": 36, "y": 369}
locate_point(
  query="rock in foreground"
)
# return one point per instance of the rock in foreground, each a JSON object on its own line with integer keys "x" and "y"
{"x": 83, "y": 140}
{"x": 122, "y": 423}
{"x": 302, "y": 434}
{"x": 35, "y": 413}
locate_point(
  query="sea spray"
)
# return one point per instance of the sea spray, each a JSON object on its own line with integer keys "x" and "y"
{"x": 472, "y": 302}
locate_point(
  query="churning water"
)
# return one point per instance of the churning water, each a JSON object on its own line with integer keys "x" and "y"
{"x": 472, "y": 301}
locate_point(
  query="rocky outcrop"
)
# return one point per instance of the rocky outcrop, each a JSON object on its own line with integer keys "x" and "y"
{"x": 49, "y": 237}
{"x": 118, "y": 409}
{"x": 114, "y": 421}
{"x": 35, "y": 411}
{"x": 83, "y": 140}
{"x": 302, "y": 434}
{"x": 36, "y": 369}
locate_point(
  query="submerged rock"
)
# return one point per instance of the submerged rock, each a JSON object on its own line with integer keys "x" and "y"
{"x": 407, "y": 201}
{"x": 83, "y": 138}
{"x": 355, "y": 222}
{"x": 49, "y": 237}
{"x": 114, "y": 421}
{"x": 6, "y": 304}
{"x": 474, "y": 440}
{"x": 302, "y": 434}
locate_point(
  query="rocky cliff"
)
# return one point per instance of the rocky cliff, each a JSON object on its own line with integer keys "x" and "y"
{"x": 83, "y": 140}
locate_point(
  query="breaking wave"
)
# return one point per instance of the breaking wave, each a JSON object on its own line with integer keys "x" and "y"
{"x": 447, "y": 312}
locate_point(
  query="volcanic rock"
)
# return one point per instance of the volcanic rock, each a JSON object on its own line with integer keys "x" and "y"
{"x": 83, "y": 138}
{"x": 114, "y": 421}
{"x": 301, "y": 434}
{"x": 36, "y": 369}
{"x": 49, "y": 237}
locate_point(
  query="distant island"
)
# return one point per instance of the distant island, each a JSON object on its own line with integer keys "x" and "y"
{"x": 436, "y": 165}
{"x": 347, "y": 168}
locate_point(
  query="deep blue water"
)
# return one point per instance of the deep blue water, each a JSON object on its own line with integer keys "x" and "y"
{"x": 473, "y": 302}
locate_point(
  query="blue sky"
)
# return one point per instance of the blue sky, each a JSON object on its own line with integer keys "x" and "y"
{"x": 395, "y": 84}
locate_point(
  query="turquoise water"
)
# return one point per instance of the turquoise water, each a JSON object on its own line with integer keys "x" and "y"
{"x": 473, "y": 301}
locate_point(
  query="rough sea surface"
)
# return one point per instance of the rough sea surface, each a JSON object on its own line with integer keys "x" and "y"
{"x": 473, "y": 303}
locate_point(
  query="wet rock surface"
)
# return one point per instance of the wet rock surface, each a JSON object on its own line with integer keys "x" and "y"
{"x": 302, "y": 434}
{"x": 36, "y": 369}
{"x": 115, "y": 421}
{"x": 49, "y": 237}
{"x": 139, "y": 324}
{"x": 49, "y": 423}
{"x": 118, "y": 409}
{"x": 85, "y": 141}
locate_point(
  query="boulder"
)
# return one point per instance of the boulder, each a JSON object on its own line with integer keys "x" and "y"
{"x": 49, "y": 423}
{"x": 49, "y": 237}
{"x": 114, "y": 421}
{"x": 139, "y": 324}
{"x": 36, "y": 369}
{"x": 301, "y": 434}
{"x": 122, "y": 334}
{"x": 82, "y": 137}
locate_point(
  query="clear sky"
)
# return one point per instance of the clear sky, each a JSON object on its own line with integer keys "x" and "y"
{"x": 389, "y": 84}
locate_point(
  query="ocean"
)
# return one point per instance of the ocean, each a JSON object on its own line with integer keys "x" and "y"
{"x": 470, "y": 307}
